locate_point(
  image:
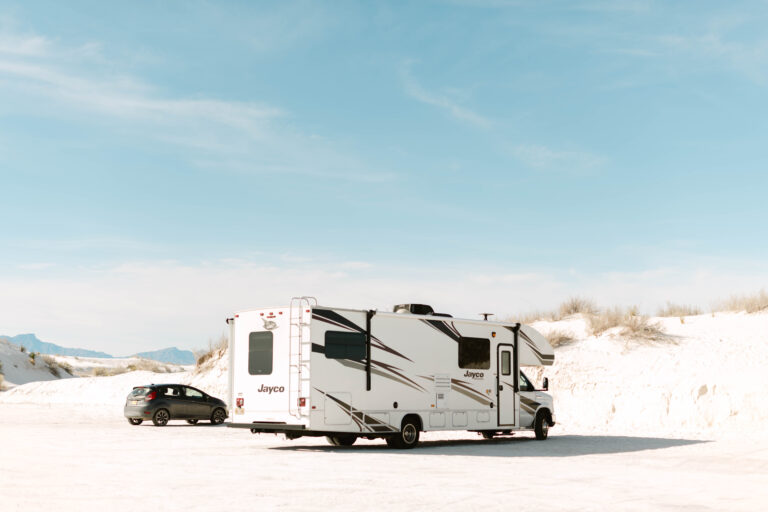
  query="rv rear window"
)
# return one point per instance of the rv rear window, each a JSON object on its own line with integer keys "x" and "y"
{"x": 475, "y": 353}
{"x": 260, "y": 353}
{"x": 345, "y": 345}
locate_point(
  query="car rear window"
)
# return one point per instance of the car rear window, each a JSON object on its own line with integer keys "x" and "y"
{"x": 139, "y": 391}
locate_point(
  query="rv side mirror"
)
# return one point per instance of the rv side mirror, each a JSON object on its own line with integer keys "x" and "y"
{"x": 545, "y": 384}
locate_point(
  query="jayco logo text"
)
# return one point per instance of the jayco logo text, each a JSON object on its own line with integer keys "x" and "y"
{"x": 474, "y": 375}
{"x": 271, "y": 389}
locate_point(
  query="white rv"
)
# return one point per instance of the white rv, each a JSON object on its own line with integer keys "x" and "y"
{"x": 310, "y": 370}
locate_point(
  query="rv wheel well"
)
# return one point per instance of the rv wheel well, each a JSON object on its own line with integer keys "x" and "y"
{"x": 547, "y": 414}
{"x": 415, "y": 418}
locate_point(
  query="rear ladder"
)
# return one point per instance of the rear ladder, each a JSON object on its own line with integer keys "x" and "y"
{"x": 300, "y": 350}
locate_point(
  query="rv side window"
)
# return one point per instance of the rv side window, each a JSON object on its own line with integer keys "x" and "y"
{"x": 260, "y": 353}
{"x": 345, "y": 345}
{"x": 475, "y": 353}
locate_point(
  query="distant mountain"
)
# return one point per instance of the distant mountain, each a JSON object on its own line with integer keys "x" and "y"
{"x": 169, "y": 355}
{"x": 32, "y": 344}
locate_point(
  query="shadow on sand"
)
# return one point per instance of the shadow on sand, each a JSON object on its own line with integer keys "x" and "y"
{"x": 555, "y": 446}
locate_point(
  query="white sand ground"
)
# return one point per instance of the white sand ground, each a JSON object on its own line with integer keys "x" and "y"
{"x": 58, "y": 458}
{"x": 672, "y": 425}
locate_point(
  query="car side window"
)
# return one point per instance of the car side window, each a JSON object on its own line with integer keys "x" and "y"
{"x": 170, "y": 391}
{"x": 193, "y": 393}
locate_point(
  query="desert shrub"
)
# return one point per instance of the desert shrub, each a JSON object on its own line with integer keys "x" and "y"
{"x": 604, "y": 320}
{"x": 633, "y": 324}
{"x": 213, "y": 348}
{"x": 558, "y": 338}
{"x": 147, "y": 365}
{"x": 639, "y": 327}
{"x": 103, "y": 371}
{"x": 55, "y": 367}
{"x": 2, "y": 381}
{"x": 23, "y": 348}
{"x": 749, "y": 303}
{"x": 678, "y": 310}
{"x": 576, "y": 305}
{"x": 32, "y": 356}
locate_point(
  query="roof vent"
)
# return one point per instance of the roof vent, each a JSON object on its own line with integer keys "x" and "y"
{"x": 414, "y": 309}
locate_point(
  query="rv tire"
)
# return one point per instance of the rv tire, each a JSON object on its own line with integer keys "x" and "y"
{"x": 541, "y": 426}
{"x": 135, "y": 421}
{"x": 343, "y": 440}
{"x": 192, "y": 422}
{"x": 408, "y": 437}
{"x": 488, "y": 434}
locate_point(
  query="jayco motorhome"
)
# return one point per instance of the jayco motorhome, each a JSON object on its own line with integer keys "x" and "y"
{"x": 310, "y": 370}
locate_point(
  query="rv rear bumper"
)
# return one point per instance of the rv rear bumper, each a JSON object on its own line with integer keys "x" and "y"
{"x": 276, "y": 428}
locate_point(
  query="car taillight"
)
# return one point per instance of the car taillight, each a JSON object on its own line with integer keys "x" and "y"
{"x": 240, "y": 402}
{"x": 150, "y": 396}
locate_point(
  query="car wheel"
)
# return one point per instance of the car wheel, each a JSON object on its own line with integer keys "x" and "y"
{"x": 408, "y": 437}
{"x": 135, "y": 421}
{"x": 218, "y": 416}
{"x": 161, "y": 417}
{"x": 192, "y": 422}
{"x": 488, "y": 434}
{"x": 341, "y": 440}
{"x": 541, "y": 426}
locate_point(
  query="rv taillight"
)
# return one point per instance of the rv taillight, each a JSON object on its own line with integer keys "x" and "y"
{"x": 302, "y": 402}
{"x": 240, "y": 402}
{"x": 150, "y": 396}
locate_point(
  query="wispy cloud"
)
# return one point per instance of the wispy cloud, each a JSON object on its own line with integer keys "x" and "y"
{"x": 239, "y": 136}
{"x": 542, "y": 157}
{"x": 442, "y": 100}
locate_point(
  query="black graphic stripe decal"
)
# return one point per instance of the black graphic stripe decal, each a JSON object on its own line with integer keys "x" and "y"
{"x": 362, "y": 420}
{"x": 539, "y": 354}
{"x": 320, "y": 349}
{"x": 376, "y": 371}
{"x": 463, "y": 388}
{"x": 335, "y": 319}
{"x": 444, "y": 328}
{"x": 543, "y": 358}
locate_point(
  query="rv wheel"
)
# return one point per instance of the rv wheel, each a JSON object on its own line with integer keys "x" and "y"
{"x": 541, "y": 426}
{"x": 342, "y": 440}
{"x": 488, "y": 434}
{"x": 135, "y": 421}
{"x": 408, "y": 437}
{"x": 192, "y": 422}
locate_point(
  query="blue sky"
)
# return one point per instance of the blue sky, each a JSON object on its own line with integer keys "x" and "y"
{"x": 163, "y": 165}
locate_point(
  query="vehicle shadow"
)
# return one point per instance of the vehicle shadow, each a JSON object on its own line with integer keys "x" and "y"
{"x": 555, "y": 446}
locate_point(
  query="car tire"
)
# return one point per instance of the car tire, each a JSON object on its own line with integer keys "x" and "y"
{"x": 192, "y": 422}
{"x": 541, "y": 426}
{"x": 135, "y": 421}
{"x": 342, "y": 440}
{"x": 161, "y": 417}
{"x": 218, "y": 416}
{"x": 408, "y": 437}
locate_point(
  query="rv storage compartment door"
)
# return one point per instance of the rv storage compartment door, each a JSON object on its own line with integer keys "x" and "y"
{"x": 337, "y": 411}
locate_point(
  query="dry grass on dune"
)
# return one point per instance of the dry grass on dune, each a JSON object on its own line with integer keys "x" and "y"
{"x": 749, "y": 303}
{"x": 679, "y": 310}
{"x": 57, "y": 368}
{"x": 571, "y": 306}
{"x": 213, "y": 348}
{"x": 558, "y": 338}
